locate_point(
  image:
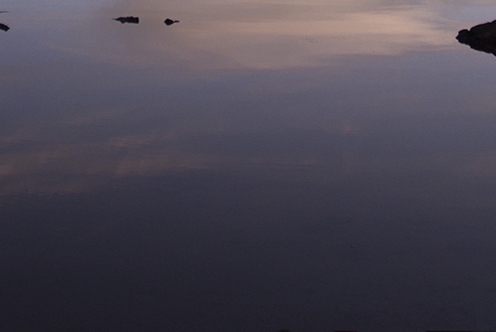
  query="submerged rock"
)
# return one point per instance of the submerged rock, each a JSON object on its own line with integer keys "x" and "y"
{"x": 481, "y": 37}
{"x": 170, "y": 22}
{"x": 4, "y": 27}
{"x": 127, "y": 19}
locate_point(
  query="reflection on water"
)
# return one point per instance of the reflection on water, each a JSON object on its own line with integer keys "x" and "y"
{"x": 308, "y": 165}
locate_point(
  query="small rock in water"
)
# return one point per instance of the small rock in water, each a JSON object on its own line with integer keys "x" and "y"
{"x": 4, "y": 27}
{"x": 127, "y": 19}
{"x": 170, "y": 22}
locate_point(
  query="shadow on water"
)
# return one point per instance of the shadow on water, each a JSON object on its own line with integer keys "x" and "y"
{"x": 127, "y": 19}
{"x": 481, "y": 37}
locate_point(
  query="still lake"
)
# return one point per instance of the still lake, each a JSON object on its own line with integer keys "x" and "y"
{"x": 261, "y": 165}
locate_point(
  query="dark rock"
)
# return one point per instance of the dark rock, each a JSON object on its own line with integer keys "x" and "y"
{"x": 4, "y": 27}
{"x": 481, "y": 37}
{"x": 170, "y": 22}
{"x": 127, "y": 19}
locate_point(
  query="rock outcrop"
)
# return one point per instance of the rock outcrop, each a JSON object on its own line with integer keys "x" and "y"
{"x": 481, "y": 37}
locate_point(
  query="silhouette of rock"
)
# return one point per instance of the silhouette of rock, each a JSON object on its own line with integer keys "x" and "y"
{"x": 4, "y": 27}
{"x": 481, "y": 37}
{"x": 170, "y": 22}
{"x": 127, "y": 19}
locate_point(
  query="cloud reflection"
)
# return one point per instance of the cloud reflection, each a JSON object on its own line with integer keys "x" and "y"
{"x": 129, "y": 105}
{"x": 267, "y": 35}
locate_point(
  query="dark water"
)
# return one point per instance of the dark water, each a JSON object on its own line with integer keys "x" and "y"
{"x": 308, "y": 165}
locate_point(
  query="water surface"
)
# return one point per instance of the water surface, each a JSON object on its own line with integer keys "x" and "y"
{"x": 309, "y": 165}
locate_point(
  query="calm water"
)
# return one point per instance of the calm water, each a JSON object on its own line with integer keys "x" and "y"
{"x": 310, "y": 165}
